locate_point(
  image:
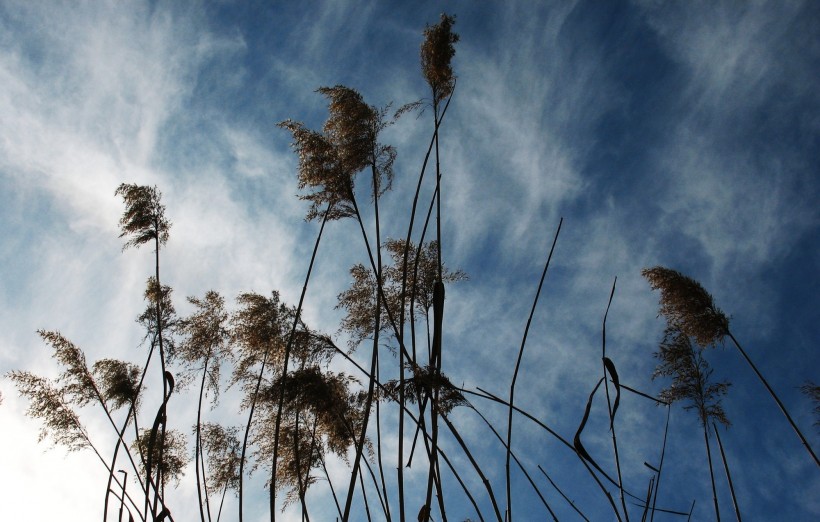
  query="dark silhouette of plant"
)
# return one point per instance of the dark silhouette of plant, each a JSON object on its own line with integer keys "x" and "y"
{"x": 690, "y": 383}
{"x": 205, "y": 348}
{"x": 424, "y": 381}
{"x": 320, "y": 415}
{"x": 119, "y": 382}
{"x": 436, "y": 53}
{"x": 144, "y": 221}
{"x": 303, "y": 414}
{"x": 690, "y": 308}
{"x": 260, "y": 330}
{"x": 169, "y": 456}
{"x": 360, "y": 299}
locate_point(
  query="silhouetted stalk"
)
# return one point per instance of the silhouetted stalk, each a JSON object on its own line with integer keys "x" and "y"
{"x": 205, "y": 483}
{"x": 609, "y": 404}
{"x": 120, "y": 441}
{"x": 438, "y": 318}
{"x": 584, "y": 456}
{"x": 571, "y": 503}
{"x": 248, "y": 429}
{"x": 400, "y": 457}
{"x": 489, "y": 396}
{"x": 221, "y": 502}
{"x": 484, "y": 394}
{"x": 728, "y": 474}
{"x": 424, "y": 399}
{"x": 477, "y": 468}
{"x": 379, "y": 277}
{"x": 660, "y": 466}
{"x": 159, "y": 424}
{"x": 300, "y": 482}
{"x": 711, "y": 472}
{"x": 379, "y": 448}
{"x": 648, "y": 498}
{"x": 520, "y": 465}
{"x": 416, "y": 421}
{"x": 440, "y": 490}
{"x": 364, "y": 498}
{"x": 91, "y": 445}
{"x": 461, "y": 482}
{"x": 122, "y": 498}
{"x": 198, "y": 447}
{"x": 280, "y": 406}
{"x": 374, "y": 359}
{"x": 775, "y": 397}
{"x": 330, "y": 485}
{"x": 518, "y": 366}
{"x": 165, "y": 394}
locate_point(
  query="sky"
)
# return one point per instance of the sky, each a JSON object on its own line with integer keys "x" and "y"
{"x": 682, "y": 134}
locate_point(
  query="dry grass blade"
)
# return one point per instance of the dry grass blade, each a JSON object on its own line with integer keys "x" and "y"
{"x": 613, "y": 373}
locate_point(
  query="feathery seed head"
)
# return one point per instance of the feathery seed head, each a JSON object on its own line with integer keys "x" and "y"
{"x": 436, "y": 53}
{"x": 686, "y": 304}
{"x": 144, "y": 217}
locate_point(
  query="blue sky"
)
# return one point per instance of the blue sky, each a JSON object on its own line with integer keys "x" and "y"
{"x": 683, "y": 134}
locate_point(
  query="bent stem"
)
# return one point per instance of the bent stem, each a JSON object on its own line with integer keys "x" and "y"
{"x": 610, "y": 408}
{"x": 517, "y": 367}
{"x": 281, "y": 403}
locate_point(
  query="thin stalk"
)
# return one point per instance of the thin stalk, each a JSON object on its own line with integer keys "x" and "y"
{"x": 165, "y": 374}
{"x": 400, "y": 456}
{"x": 571, "y": 503}
{"x": 609, "y": 404}
{"x": 489, "y": 396}
{"x": 198, "y": 447}
{"x": 374, "y": 359}
{"x": 711, "y": 472}
{"x": 438, "y": 318}
{"x": 520, "y": 465}
{"x": 121, "y": 441}
{"x": 463, "y": 485}
{"x": 280, "y": 406}
{"x": 300, "y": 483}
{"x": 221, "y": 502}
{"x": 728, "y": 474}
{"x": 775, "y": 397}
{"x": 248, "y": 430}
{"x": 364, "y": 498}
{"x": 416, "y": 421}
{"x": 648, "y": 498}
{"x": 330, "y": 484}
{"x": 660, "y": 466}
{"x": 379, "y": 448}
{"x": 379, "y": 276}
{"x": 518, "y": 366}
{"x": 477, "y": 468}
{"x": 205, "y": 483}
{"x": 122, "y": 498}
